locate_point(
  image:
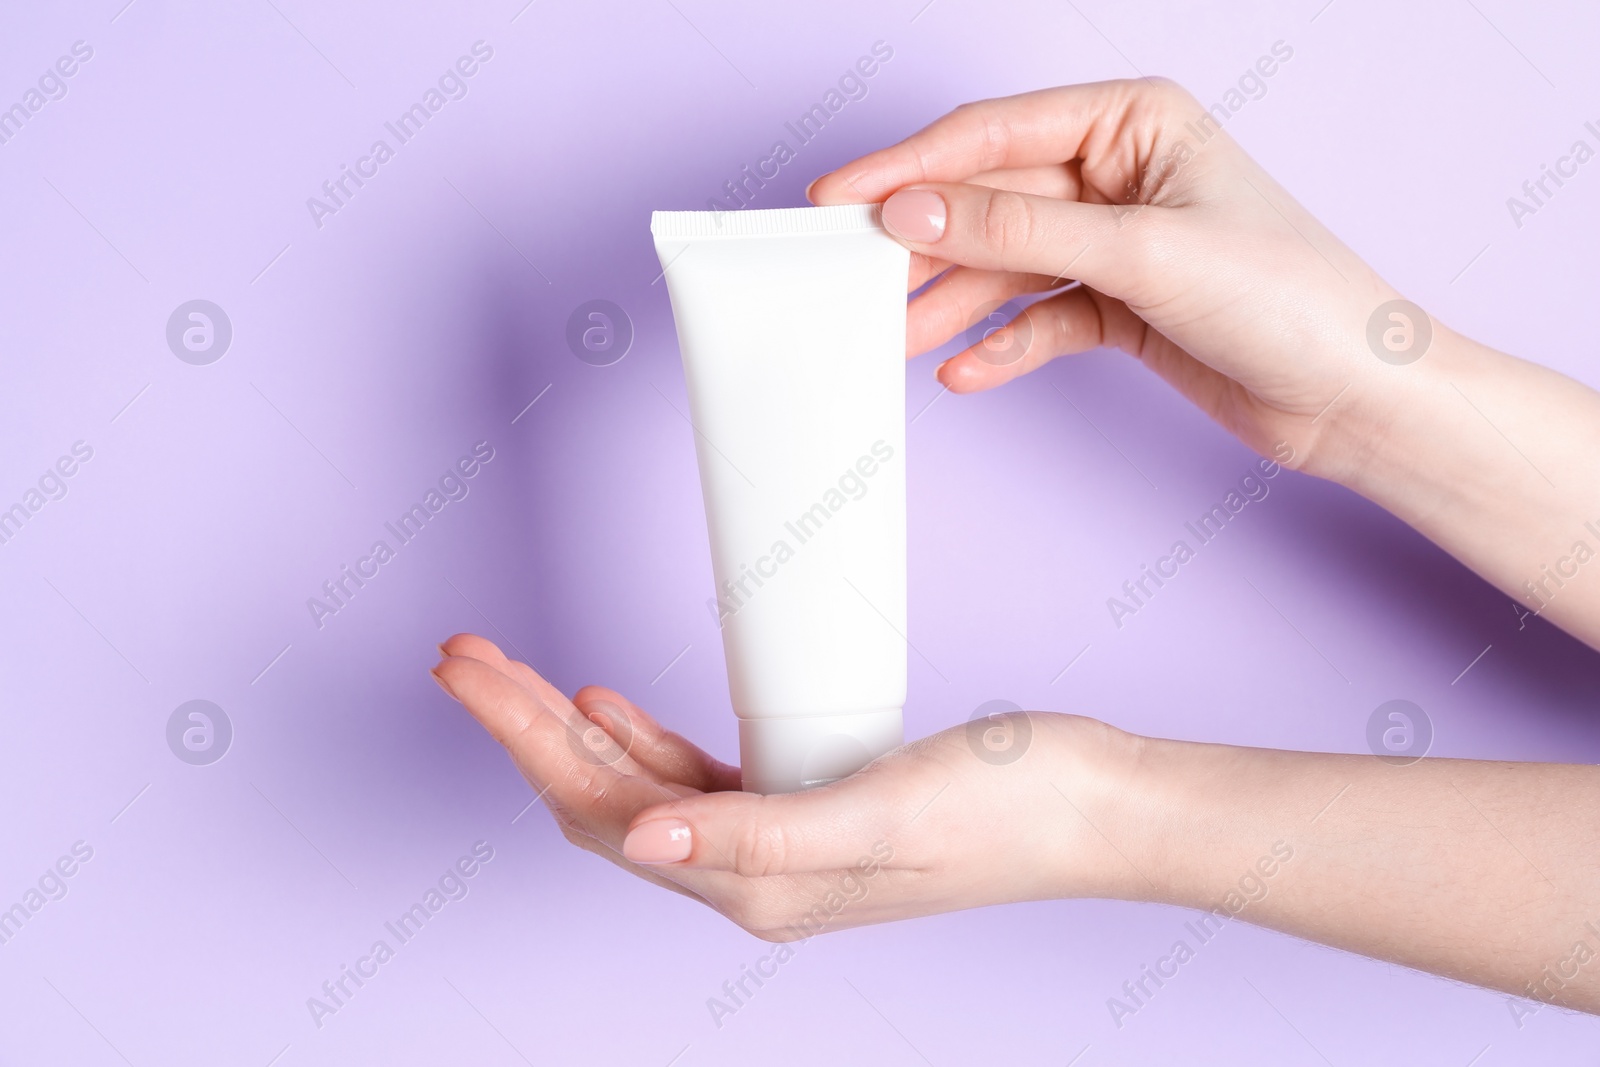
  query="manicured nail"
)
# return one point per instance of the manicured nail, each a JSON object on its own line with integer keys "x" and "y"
{"x": 813, "y": 185}
{"x": 443, "y": 686}
{"x": 658, "y": 841}
{"x": 915, "y": 215}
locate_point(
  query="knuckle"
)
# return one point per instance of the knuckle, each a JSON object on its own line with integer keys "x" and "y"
{"x": 596, "y": 789}
{"x": 995, "y": 135}
{"x": 1168, "y": 94}
{"x": 759, "y": 847}
{"x": 517, "y": 714}
{"x": 1163, "y": 86}
{"x": 1007, "y": 224}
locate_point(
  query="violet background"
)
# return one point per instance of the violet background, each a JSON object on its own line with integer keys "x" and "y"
{"x": 423, "y": 318}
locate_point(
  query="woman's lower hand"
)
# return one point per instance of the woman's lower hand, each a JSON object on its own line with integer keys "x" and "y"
{"x": 1308, "y": 843}
{"x": 949, "y": 822}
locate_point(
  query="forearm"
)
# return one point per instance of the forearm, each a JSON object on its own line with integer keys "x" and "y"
{"x": 1484, "y": 872}
{"x": 1494, "y": 459}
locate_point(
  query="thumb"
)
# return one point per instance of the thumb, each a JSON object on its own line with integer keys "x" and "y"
{"x": 757, "y": 836}
{"x": 1002, "y": 230}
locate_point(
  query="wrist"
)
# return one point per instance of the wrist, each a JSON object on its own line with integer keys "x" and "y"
{"x": 1413, "y": 438}
{"x": 1130, "y": 825}
{"x": 1203, "y": 826}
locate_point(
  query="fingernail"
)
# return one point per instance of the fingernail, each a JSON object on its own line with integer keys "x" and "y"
{"x": 443, "y": 686}
{"x": 813, "y": 185}
{"x": 658, "y": 841}
{"x": 442, "y": 653}
{"x": 915, "y": 215}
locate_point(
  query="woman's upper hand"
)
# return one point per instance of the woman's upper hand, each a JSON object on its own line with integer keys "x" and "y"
{"x": 934, "y": 826}
{"x": 1190, "y": 256}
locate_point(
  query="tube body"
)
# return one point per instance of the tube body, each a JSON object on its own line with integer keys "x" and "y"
{"x": 791, "y": 323}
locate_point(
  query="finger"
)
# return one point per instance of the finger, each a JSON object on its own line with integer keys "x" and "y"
{"x": 995, "y": 229}
{"x": 1074, "y": 321}
{"x": 486, "y": 651}
{"x": 611, "y": 855}
{"x": 1061, "y": 180}
{"x": 546, "y": 741}
{"x": 1064, "y": 181}
{"x": 922, "y": 267}
{"x": 1031, "y": 129}
{"x": 949, "y": 307}
{"x": 756, "y": 836}
{"x": 593, "y": 804}
{"x": 1213, "y": 392}
{"x": 666, "y": 755}
{"x": 474, "y": 647}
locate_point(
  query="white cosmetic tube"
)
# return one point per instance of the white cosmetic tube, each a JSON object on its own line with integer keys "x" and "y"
{"x": 792, "y": 323}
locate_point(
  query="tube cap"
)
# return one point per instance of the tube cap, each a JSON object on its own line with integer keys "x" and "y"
{"x": 787, "y": 755}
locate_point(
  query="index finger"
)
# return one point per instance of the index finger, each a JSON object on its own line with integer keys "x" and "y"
{"x": 1027, "y": 130}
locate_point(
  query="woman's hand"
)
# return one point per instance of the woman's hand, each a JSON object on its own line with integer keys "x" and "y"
{"x": 1486, "y": 875}
{"x": 959, "y": 820}
{"x": 1190, "y": 256}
